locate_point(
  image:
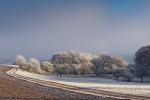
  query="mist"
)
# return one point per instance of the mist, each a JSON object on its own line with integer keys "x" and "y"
{"x": 36, "y": 28}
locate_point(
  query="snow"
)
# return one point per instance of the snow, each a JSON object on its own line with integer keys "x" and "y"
{"x": 142, "y": 89}
{"x": 10, "y": 65}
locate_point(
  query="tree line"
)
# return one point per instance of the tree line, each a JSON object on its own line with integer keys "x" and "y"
{"x": 79, "y": 63}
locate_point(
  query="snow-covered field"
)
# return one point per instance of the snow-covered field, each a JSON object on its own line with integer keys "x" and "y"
{"x": 142, "y": 89}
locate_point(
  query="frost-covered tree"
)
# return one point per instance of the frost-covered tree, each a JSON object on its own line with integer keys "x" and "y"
{"x": 20, "y": 60}
{"x": 60, "y": 61}
{"x": 72, "y": 62}
{"x": 34, "y": 65}
{"x": 60, "y": 69}
{"x": 85, "y": 61}
{"x": 128, "y": 76}
{"x": 132, "y": 68}
{"x": 61, "y": 58}
{"x": 142, "y": 61}
{"x": 100, "y": 62}
{"x": 119, "y": 61}
{"x": 47, "y": 66}
{"x": 119, "y": 66}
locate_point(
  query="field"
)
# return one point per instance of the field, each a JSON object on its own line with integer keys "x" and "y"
{"x": 12, "y": 88}
{"x": 15, "y": 89}
{"x": 142, "y": 89}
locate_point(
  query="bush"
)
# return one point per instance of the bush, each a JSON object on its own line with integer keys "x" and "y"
{"x": 132, "y": 69}
{"x": 128, "y": 76}
{"x": 25, "y": 67}
{"x": 34, "y": 65}
{"x": 47, "y": 66}
{"x": 20, "y": 60}
{"x": 118, "y": 72}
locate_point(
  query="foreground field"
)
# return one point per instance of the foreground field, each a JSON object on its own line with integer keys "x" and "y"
{"x": 140, "y": 89}
{"x": 16, "y": 89}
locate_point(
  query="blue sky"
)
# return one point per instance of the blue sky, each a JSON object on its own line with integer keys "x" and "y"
{"x": 38, "y": 28}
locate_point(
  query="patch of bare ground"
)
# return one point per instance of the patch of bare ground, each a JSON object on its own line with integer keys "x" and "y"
{"x": 16, "y": 89}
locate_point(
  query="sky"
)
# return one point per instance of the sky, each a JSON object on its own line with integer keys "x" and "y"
{"x": 39, "y": 28}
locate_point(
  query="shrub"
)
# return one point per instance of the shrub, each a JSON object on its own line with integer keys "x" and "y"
{"x": 132, "y": 69}
{"x": 128, "y": 76}
{"x": 47, "y": 66}
{"x": 118, "y": 72}
{"x": 20, "y": 60}
{"x": 34, "y": 65}
{"x": 26, "y": 67}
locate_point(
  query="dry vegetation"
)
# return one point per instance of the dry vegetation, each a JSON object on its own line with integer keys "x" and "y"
{"x": 12, "y": 88}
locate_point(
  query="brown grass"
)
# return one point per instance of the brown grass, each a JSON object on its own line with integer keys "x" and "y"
{"x": 10, "y": 87}
{"x": 15, "y": 89}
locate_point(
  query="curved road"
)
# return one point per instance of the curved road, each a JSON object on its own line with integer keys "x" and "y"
{"x": 13, "y": 87}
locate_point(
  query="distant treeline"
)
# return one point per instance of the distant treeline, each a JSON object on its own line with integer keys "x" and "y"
{"x": 79, "y": 63}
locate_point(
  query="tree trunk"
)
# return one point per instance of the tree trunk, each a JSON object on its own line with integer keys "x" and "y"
{"x": 101, "y": 70}
{"x": 141, "y": 78}
{"x": 117, "y": 77}
{"x": 60, "y": 74}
